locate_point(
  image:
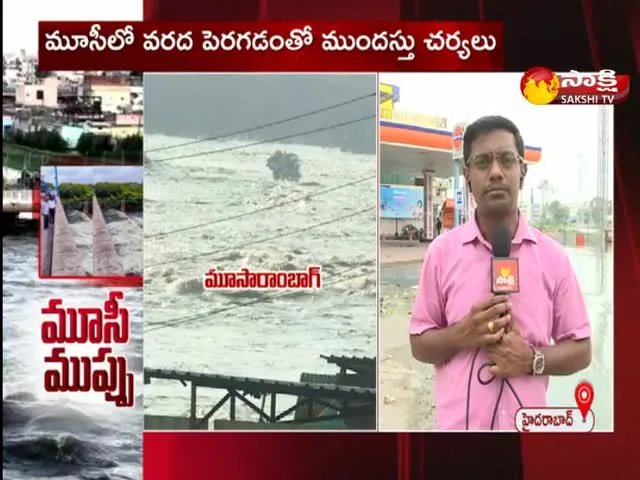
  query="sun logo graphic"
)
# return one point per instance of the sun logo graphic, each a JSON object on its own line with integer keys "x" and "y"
{"x": 505, "y": 278}
{"x": 504, "y": 275}
{"x": 540, "y": 85}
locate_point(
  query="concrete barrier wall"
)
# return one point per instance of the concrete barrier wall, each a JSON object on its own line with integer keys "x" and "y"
{"x": 105, "y": 258}
{"x": 569, "y": 238}
{"x": 66, "y": 260}
{"x": 14, "y": 201}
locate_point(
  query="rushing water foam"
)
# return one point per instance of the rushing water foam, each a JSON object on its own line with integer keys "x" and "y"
{"x": 273, "y": 338}
{"x": 63, "y": 435}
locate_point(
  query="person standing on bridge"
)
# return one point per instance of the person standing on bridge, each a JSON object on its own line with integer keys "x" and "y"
{"x": 44, "y": 211}
{"x": 51, "y": 203}
{"x": 473, "y": 337}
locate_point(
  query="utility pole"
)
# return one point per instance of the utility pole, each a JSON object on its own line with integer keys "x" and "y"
{"x": 55, "y": 173}
{"x": 580, "y": 202}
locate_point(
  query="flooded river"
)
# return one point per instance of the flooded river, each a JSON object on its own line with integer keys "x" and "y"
{"x": 67, "y": 436}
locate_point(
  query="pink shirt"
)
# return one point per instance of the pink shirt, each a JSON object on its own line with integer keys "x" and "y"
{"x": 550, "y": 305}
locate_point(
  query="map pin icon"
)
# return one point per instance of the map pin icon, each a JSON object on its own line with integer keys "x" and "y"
{"x": 584, "y": 398}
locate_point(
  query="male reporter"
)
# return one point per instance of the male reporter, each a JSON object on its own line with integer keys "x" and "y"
{"x": 455, "y": 315}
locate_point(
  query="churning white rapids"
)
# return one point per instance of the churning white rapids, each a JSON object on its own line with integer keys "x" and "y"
{"x": 272, "y": 338}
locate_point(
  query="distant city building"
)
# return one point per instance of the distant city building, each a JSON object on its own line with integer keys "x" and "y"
{"x": 72, "y": 103}
{"x": 73, "y": 78}
{"x": 7, "y": 124}
{"x": 126, "y": 125}
{"x": 137, "y": 98}
{"x": 41, "y": 94}
{"x": 114, "y": 92}
{"x": 18, "y": 68}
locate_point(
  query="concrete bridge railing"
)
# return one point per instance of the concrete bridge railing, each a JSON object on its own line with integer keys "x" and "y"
{"x": 105, "y": 258}
{"x": 66, "y": 260}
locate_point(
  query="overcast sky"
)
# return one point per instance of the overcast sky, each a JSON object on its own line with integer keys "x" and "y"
{"x": 20, "y": 22}
{"x": 568, "y": 135}
{"x": 93, "y": 175}
{"x": 209, "y": 105}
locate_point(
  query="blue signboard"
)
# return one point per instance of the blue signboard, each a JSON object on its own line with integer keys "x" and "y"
{"x": 401, "y": 202}
{"x": 459, "y": 199}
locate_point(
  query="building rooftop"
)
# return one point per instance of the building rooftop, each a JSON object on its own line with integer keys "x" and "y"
{"x": 100, "y": 81}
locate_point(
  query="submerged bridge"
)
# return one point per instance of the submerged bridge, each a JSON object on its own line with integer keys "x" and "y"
{"x": 346, "y": 401}
{"x": 59, "y": 253}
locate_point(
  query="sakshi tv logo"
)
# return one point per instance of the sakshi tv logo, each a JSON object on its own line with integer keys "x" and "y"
{"x": 543, "y": 86}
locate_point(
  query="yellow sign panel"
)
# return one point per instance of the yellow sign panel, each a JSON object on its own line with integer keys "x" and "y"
{"x": 414, "y": 119}
{"x": 387, "y": 92}
{"x": 389, "y": 96}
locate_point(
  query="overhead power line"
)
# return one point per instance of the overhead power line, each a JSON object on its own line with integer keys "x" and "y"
{"x": 264, "y": 125}
{"x": 272, "y": 140}
{"x": 262, "y": 240}
{"x": 259, "y": 210}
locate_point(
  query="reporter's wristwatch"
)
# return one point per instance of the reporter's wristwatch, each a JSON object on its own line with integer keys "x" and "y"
{"x": 537, "y": 362}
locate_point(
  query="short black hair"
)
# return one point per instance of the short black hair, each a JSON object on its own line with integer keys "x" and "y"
{"x": 488, "y": 124}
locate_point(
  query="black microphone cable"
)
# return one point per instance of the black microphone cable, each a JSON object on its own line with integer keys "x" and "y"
{"x": 504, "y": 382}
{"x": 500, "y": 246}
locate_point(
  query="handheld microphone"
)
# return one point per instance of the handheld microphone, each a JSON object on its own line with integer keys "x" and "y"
{"x": 505, "y": 279}
{"x": 501, "y": 241}
{"x": 505, "y": 272}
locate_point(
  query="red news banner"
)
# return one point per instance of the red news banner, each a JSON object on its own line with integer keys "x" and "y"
{"x": 268, "y": 47}
{"x": 104, "y": 372}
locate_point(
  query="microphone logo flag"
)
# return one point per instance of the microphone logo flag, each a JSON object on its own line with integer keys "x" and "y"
{"x": 505, "y": 275}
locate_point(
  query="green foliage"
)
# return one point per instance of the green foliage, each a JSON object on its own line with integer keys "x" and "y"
{"x": 132, "y": 144}
{"x": 92, "y": 145}
{"x": 110, "y": 195}
{"x": 46, "y": 143}
{"x": 41, "y": 139}
{"x": 557, "y": 217}
{"x": 75, "y": 192}
{"x": 23, "y": 158}
{"x": 598, "y": 210}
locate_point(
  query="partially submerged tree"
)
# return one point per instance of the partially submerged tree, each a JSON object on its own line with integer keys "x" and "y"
{"x": 285, "y": 166}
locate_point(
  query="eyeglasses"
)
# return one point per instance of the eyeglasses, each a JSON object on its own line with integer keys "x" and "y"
{"x": 506, "y": 159}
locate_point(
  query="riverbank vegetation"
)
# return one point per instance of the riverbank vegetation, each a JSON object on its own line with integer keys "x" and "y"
{"x": 109, "y": 194}
{"x": 50, "y": 143}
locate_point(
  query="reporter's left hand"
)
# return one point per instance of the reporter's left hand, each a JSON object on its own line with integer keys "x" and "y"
{"x": 512, "y": 356}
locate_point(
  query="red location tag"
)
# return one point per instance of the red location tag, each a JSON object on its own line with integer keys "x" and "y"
{"x": 505, "y": 275}
{"x": 584, "y": 398}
